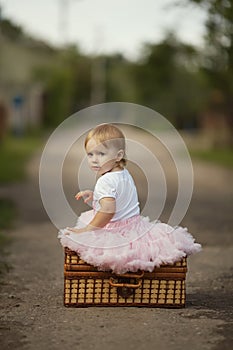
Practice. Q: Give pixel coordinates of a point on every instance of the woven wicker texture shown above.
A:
(85, 286)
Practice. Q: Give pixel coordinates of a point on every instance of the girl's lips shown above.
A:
(96, 168)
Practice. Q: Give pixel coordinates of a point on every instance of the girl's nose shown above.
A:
(95, 159)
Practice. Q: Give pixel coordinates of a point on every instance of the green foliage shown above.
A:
(59, 89)
(67, 85)
(4, 266)
(219, 37)
(166, 78)
(170, 82)
(120, 84)
(7, 215)
(220, 156)
(174, 78)
(10, 29)
(14, 153)
(217, 63)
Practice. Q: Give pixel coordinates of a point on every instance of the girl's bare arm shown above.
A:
(102, 217)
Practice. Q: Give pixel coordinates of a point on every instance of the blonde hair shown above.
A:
(106, 132)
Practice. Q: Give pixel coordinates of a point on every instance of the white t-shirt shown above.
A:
(118, 185)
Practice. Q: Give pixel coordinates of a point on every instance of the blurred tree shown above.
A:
(79, 66)
(119, 79)
(3, 121)
(218, 55)
(66, 85)
(10, 29)
(169, 82)
(57, 95)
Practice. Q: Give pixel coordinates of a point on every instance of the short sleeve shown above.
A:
(104, 188)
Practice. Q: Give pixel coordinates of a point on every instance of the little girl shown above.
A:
(114, 236)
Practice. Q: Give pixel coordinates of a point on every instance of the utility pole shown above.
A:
(98, 71)
(0, 19)
(98, 77)
(63, 21)
(63, 25)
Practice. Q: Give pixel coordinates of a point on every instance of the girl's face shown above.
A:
(103, 159)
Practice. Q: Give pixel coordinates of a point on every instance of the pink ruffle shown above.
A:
(130, 245)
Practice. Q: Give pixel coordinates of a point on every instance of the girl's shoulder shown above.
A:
(112, 177)
(116, 174)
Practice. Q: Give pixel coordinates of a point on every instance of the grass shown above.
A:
(14, 154)
(220, 156)
(7, 213)
(7, 216)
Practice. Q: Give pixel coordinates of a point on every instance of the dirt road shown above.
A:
(32, 312)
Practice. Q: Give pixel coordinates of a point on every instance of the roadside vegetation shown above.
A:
(14, 155)
(222, 157)
(7, 216)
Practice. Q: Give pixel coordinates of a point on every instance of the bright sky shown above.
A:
(106, 25)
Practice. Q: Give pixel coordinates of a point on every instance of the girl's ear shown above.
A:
(120, 154)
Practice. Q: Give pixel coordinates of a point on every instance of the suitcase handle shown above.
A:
(121, 285)
(131, 275)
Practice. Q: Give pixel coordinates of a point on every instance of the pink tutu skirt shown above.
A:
(129, 245)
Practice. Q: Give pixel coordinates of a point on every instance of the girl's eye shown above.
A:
(102, 154)
(89, 154)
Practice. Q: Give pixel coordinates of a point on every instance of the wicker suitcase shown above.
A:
(84, 285)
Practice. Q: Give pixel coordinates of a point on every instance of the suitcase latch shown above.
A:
(125, 285)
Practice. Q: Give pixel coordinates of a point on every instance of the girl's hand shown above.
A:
(75, 230)
(87, 194)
